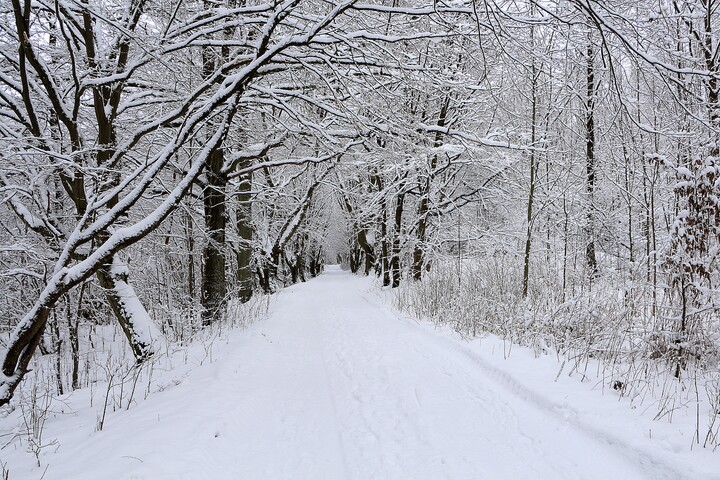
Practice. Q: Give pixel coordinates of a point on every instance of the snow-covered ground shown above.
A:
(335, 384)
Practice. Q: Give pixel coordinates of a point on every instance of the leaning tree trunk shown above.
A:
(23, 344)
(134, 320)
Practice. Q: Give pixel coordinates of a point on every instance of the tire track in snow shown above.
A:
(483, 399)
(653, 465)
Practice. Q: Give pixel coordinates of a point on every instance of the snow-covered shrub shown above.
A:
(691, 264)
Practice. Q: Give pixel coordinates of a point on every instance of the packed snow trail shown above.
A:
(336, 385)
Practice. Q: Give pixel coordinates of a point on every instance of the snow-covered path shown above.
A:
(336, 385)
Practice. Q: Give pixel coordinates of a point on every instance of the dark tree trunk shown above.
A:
(293, 264)
(354, 258)
(214, 286)
(591, 260)
(368, 252)
(385, 247)
(263, 275)
(418, 252)
(190, 245)
(245, 237)
(213, 291)
(533, 167)
(395, 261)
(23, 346)
(57, 348)
(73, 323)
(301, 269)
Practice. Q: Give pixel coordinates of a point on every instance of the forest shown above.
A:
(547, 172)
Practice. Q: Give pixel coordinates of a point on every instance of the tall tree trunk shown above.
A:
(73, 324)
(354, 258)
(190, 245)
(384, 262)
(57, 342)
(245, 237)
(395, 261)
(419, 250)
(385, 247)
(214, 285)
(533, 168)
(590, 258)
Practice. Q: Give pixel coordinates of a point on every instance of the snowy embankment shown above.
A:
(335, 384)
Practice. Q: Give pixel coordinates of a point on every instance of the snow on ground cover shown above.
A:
(335, 384)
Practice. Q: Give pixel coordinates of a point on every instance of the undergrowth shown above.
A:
(616, 328)
(109, 379)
